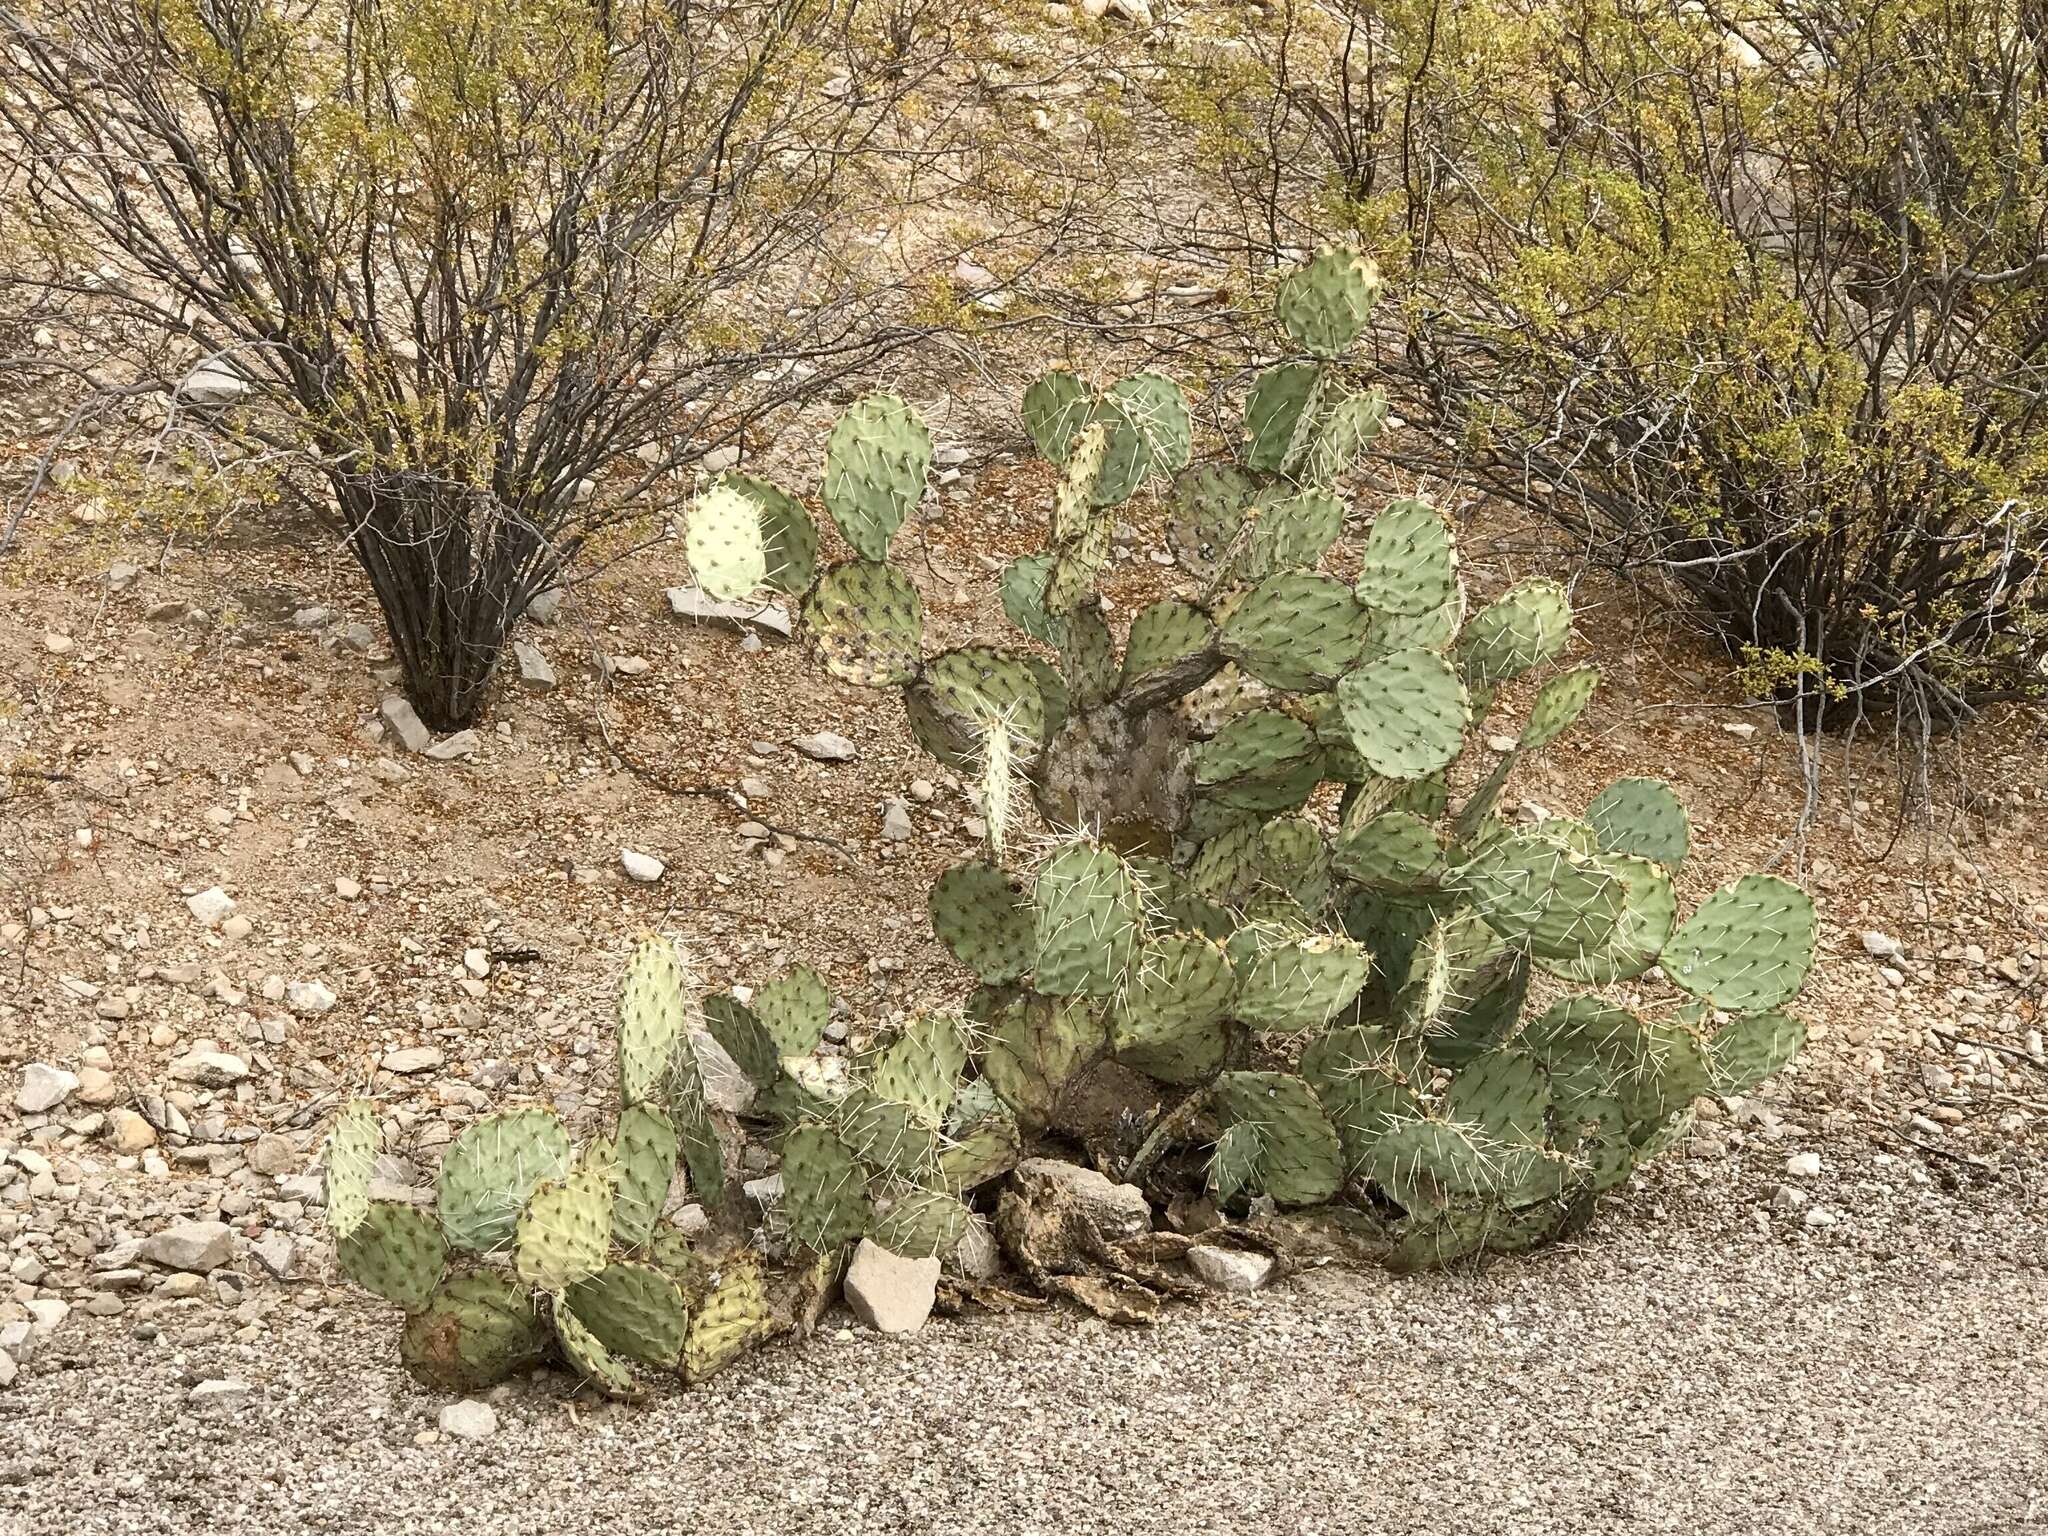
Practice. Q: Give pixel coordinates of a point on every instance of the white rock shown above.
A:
(43, 1088)
(192, 1246)
(1231, 1269)
(826, 747)
(546, 606)
(897, 827)
(1881, 946)
(1803, 1165)
(220, 1396)
(310, 997)
(405, 724)
(719, 460)
(695, 605)
(888, 1292)
(418, 1058)
(643, 867)
(1741, 730)
(212, 384)
(212, 906)
(59, 645)
(536, 675)
(208, 1069)
(449, 748)
(469, 1420)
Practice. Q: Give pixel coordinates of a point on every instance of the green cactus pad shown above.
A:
(1641, 817)
(887, 1135)
(1022, 588)
(1587, 1045)
(1407, 712)
(1078, 561)
(824, 1189)
(732, 1319)
(975, 689)
(1169, 1019)
(1356, 1072)
(1154, 404)
(1527, 625)
(1431, 631)
(491, 1170)
(1208, 506)
(1302, 983)
(1299, 1160)
(1088, 661)
(634, 1310)
(1171, 650)
(743, 1037)
(1294, 858)
(876, 460)
(1345, 425)
(648, 1148)
(1227, 866)
(351, 1161)
(982, 916)
(794, 1009)
(670, 1251)
(1540, 895)
(921, 1067)
(1273, 415)
(1558, 705)
(653, 1016)
(1234, 1161)
(476, 1330)
(977, 1153)
(703, 1152)
(1126, 459)
(565, 1231)
(1648, 916)
(1323, 304)
(920, 1224)
(397, 1252)
(1261, 760)
(1427, 1163)
(1748, 947)
(867, 622)
(724, 543)
(1505, 1091)
(1037, 1046)
(1453, 1232)
(1746, 1050)
(1410, 564)
(1296, 630)
(1393, 851)
(1090, 918)
(593, 1365)
(1057, 406)
(1287, 529)
(789, 538)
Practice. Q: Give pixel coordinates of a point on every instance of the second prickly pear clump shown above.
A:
(1392, 993)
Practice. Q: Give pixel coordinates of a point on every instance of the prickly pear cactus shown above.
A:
(536, 1251)
(1404, 1003)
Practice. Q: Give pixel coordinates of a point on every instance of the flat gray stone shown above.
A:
(418, 1058)
(212, 906)
(220, 1396)
(897, 827)
(208, 1069)
(694, 605)
(449, 748)
(546, 606)
(888, 1292)
(196, 1247)
(643, 867)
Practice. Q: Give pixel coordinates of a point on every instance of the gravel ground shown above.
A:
(1698, 1363)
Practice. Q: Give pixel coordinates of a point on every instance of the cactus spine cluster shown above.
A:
(1411, 1004)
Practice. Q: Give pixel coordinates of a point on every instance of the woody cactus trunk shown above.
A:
(1465, 1027)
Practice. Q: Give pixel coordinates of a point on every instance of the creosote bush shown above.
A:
(1748, 296)
(470, 281)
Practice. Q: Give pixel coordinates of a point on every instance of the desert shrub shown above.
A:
(482, 276)
(1751, 296)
